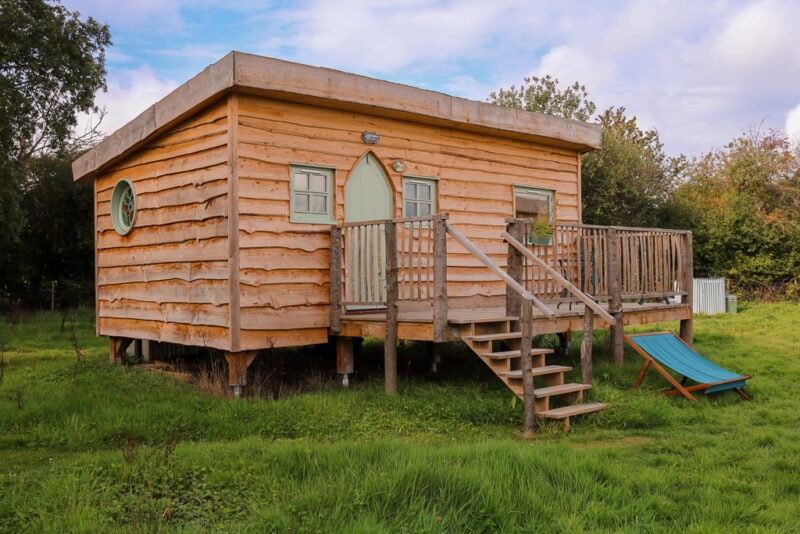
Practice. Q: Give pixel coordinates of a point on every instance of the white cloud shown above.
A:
(130, 92)
(383, 37)
(698, 72)
(759, 38)
(793, 124)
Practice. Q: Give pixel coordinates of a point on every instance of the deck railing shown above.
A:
(397, 260)
(384, 263)
(608, 262)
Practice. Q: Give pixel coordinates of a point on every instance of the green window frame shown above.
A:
(311, 194)
(123, 207)
(419, 196)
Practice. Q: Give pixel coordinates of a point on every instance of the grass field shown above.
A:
(90, 447)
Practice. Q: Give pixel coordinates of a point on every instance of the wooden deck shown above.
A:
(391, 279)
(417, 325)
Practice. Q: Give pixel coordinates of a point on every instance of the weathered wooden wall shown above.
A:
(167, 280)
(214, 260)
(476, 186)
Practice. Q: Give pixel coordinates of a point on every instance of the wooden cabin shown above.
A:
(270, 204)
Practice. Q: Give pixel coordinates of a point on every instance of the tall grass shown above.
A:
(86, 446)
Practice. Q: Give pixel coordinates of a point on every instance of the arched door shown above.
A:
(367, 197)
(367, 193)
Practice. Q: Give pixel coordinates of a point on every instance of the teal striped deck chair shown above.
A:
(665, 349)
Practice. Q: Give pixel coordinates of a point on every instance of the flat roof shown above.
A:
(284, 80)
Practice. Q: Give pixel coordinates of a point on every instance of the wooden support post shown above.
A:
(336, 279)
(514, 228)
(586, 347)
(390, 341)
(435, 354)
(116, 349)
(528, 400)
(238, 362)
(440, 279)
(615, 297)
(344, 358)
(687, 325)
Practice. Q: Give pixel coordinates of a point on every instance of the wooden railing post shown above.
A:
(528, 401)
(440, 279)
(615, 296)
(586, 347)
(390, 341)
(687, 279)
(514, 267)
(336, 279)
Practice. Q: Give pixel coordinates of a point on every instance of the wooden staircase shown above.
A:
(497, 342)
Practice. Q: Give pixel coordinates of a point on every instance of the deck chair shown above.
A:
(668, 350)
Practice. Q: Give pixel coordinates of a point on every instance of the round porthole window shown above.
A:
(123, 207)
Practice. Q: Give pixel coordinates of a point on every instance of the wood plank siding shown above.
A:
(168, 279)
(285, 264)
(214, 258)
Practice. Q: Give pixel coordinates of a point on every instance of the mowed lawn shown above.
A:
(86, 446)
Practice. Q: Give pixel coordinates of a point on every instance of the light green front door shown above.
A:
(367, 194)
(367, 197)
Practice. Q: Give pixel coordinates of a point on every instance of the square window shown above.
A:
(312, 197)
(532, 203)
(419, 197)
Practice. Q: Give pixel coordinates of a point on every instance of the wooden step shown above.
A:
(537, 371)
(562, 389)
(574, 409)
(494, 337)
(473, 320)
(513, 354)
(565, 412)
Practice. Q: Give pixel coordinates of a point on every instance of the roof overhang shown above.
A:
(294, 82)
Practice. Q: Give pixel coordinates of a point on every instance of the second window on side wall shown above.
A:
(533, 203)
(312, 195)
(419, 197)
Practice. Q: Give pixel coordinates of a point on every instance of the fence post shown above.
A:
(586, 347)
(336, 279)
(390, 341)
(687, 325)
(514, 227)
(440, 279)
(528, 401)
(615, 297)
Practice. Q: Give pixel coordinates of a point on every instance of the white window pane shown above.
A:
(532, 204)
(424, 208)
(318, 204)
(301, 182)
(317, 184)
(301, 202)
(411, 209)
(424, 192)
(410, 191)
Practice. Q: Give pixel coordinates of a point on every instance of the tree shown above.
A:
(741, 202)
(59, 236)
(628, 182)
(543, 95)
(51, 65)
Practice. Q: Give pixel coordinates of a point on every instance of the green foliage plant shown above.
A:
(52, 63)
(545, 95)
(115, 448)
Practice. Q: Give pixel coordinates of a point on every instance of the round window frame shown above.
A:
(117, 206)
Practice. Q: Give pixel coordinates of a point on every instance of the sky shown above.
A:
(700, 72)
